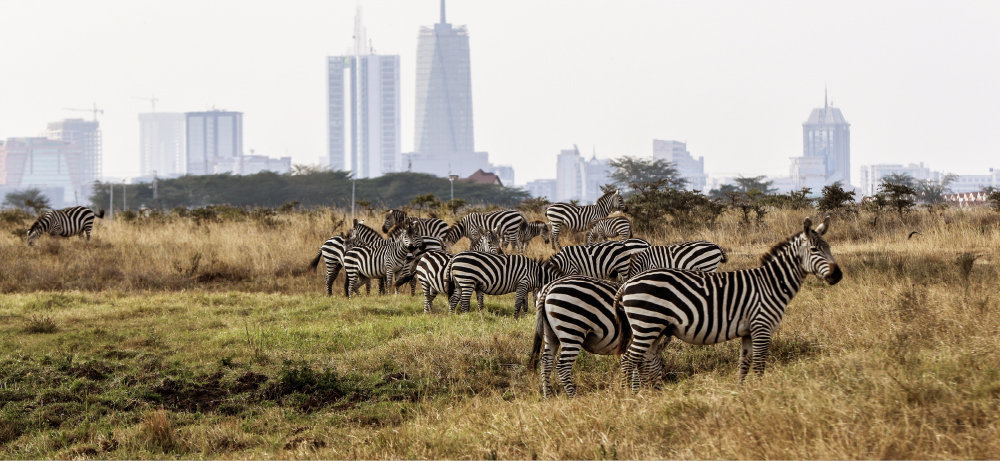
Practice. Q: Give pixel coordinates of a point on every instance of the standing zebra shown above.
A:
(696, 255)
(605, 260)
(361, 231)
(563, 216)
(333, 250)
(64, 223)
(506, 222)
(610, 227)
(426, 227)
(709, 308)
(573, 313)
(529, 230)
(379, 260)
(429, 268)
(492, 274)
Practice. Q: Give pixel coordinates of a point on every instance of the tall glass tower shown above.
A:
(443, 91)
(827, 135)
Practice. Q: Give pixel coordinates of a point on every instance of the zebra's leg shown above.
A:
(329, 283)
(352, 284)
(429, 295)
(555, 236)
(746, 357)
(480, 302)
(466, 295)
(761, 337)
(652, 364)
(642, 342)
(413, 286)
(545, 374)
(567, 357)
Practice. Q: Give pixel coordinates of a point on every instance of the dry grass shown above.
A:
(238, 354)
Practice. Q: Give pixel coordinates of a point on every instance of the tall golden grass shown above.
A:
(899, 360)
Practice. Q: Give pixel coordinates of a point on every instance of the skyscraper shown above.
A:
(214, 142)
(371, 84)
(693, 171)
(443, 136)
(161, 144)
(826, 134)
(54, 166)
(88, 136)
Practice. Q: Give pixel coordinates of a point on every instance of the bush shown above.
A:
(835, 199)
(747, 203)
(649, 202)
(794, 200)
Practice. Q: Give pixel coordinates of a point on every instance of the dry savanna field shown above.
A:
(171, 337)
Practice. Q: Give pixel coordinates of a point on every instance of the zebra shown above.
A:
(426, 227)
(67, 222)
(529, 230)
(605, 228)
(492, 274)
(577, 312)
(563, 216)
(332, 252)
(696, 255)
(605, 260)
(709, 308)
(429, 268)
(506, 222)
(379, 260)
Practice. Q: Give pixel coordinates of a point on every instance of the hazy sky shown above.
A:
(918, 81)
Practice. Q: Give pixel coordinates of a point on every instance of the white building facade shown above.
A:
(161, 144)
(580, 179)
(689, 168)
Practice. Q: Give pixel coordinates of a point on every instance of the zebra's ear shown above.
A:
(807, 225)
(821, 230)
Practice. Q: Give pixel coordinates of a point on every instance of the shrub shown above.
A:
(794, 200)
(835, 199)
(649, 202)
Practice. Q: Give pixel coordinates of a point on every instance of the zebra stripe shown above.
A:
(708, 308)
(529, 230)
(504, 222)
(427, 227)
(696, 255)
(361, 232)
(429, 267)
(67, 222)
(575, 313)
(492, 274)
(378, 260)
(605, 260)
(563, 216)
(606, 228)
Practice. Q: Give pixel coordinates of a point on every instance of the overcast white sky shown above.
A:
(918, 81)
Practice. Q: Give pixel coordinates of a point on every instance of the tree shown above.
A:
(652, 201)
(835, 198)
(898, 192)
(723, 191)
(756, 182)
(633, 170)
(299, 169)
(933, 192)
(421, 201)
(28, 199)
(993, 195)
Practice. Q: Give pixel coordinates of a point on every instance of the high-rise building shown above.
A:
(85, 134)
(54, 166)
(161, 144)
(827, 135)
(693, 171)
(214, 142)
(370, 83)
(443, 134)
(578, 178)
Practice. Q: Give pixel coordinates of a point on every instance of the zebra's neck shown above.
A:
(781, 274)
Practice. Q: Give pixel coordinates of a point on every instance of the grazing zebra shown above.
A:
(426, 227)
(492, 274)
(64, 223)
(709, 308)
(610, 227)
(529, 230)
(696, 255)
(506, 222)
(430, 266)
(563, 216)
(605, 260)
(573, 313)
(379, 260)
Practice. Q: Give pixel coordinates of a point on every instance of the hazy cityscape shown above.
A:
(365, 124)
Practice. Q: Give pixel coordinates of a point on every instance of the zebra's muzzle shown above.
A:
(834, 276)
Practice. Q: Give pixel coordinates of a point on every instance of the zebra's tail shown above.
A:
(725, 257)
(315, 262)
(449, 283)
(621, 323)
(99, 214)
(541, 326)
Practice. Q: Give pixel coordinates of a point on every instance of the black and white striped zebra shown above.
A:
(574, 313)
(361, 231)
(696, 255)
(708, 308)
(492, 274)
(67, 222)
(505, 222)
(605, 260)
(426, 227)
(529, 230)
(607, 228)
(429, 268)
(379, 260)
(567, 217)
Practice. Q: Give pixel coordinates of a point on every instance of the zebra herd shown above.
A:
(624, 297)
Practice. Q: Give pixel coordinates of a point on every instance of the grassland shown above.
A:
(166, 338)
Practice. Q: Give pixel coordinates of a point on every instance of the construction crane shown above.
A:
(152, 101)
(95, 110)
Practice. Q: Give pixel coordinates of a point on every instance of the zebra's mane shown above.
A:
(777, 249)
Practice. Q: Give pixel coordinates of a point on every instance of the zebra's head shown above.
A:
(817, 258)
(543, 230)
(392, 217)
(487, 242)
(37, 229)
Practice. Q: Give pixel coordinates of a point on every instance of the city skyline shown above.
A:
(917, 86)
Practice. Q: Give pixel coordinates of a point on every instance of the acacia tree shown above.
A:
(28, 199)
(899, 193)
(633, 170)
(836, 199)
(933, 192)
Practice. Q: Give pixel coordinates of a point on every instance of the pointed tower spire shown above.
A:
(825, 105)
(442, 13)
